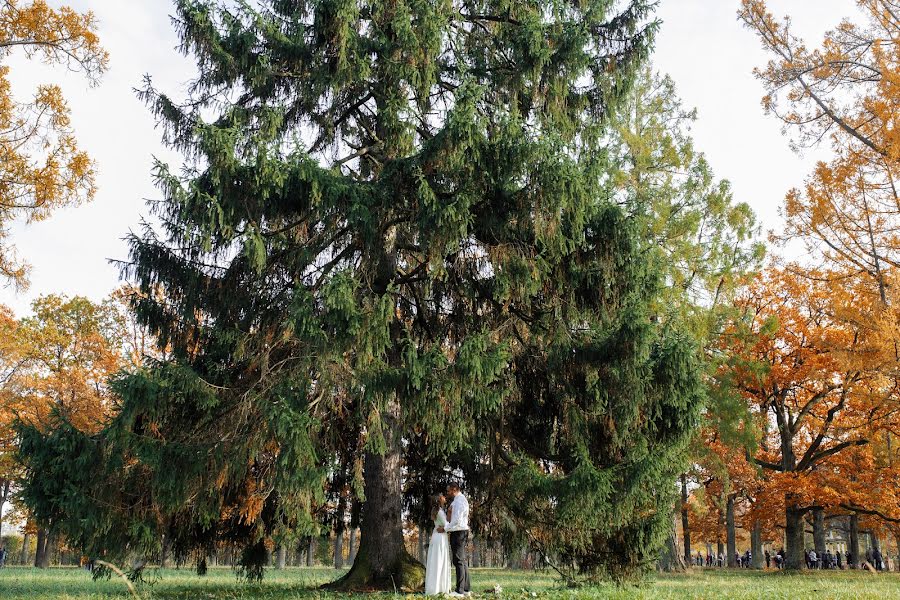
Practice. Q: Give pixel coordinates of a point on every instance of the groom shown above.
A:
(458, 528)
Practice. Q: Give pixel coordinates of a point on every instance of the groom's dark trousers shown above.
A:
(458, 542)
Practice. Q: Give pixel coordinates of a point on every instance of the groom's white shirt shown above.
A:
(459, 520)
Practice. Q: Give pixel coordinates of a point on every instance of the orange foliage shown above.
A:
(58, 359)
(846, 92)
(807, 375)
(41, 166)
(848, 89)
(816, 385)
(70, 352)
(11, 361)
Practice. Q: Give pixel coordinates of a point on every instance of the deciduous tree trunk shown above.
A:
(382, 561)
(897, 556)
(729, 531)
(351, 551)
(280, 557)
(854, 541)
(4, 497)
(164, 552)
(41, 549)
(756, 547)
(720, 544)
(355, 511)
(339, 550)
(311, 551)
(23, 555)
(51, 546)
(685, 524)
(793, 535)
(819, 531)
(340, 526)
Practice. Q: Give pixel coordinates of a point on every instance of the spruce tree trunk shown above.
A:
(420, 546)
(757, 561)
(793, 534)
(382, 561)
(819, 531)
(729, 532)
(685, 524)
(854, 541)
(670, 559)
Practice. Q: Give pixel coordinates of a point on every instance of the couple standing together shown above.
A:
(449, 539)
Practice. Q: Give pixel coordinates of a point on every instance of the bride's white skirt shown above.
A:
(437, 567)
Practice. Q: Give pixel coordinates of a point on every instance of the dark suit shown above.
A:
(458, 542)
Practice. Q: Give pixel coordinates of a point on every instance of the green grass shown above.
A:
(221, 584)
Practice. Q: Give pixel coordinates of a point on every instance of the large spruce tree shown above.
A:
(394, 227)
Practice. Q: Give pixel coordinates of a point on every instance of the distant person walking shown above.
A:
(878, 559)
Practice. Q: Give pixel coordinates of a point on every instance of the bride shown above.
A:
(437, 567)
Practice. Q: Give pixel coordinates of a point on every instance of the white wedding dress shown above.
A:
(437, 567)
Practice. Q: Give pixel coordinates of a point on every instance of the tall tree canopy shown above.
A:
(41, 165)
(395, 228)
(707, 243)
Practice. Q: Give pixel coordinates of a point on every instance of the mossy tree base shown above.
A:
(405, 575)
(382, 562)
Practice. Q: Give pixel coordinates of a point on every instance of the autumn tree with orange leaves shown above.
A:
(817, 397)
(10, 363)
(846, 94)
(56, 362)
(42, 167)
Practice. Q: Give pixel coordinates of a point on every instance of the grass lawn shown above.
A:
(221, 584)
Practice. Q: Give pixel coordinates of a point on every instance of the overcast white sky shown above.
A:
(701, 44)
